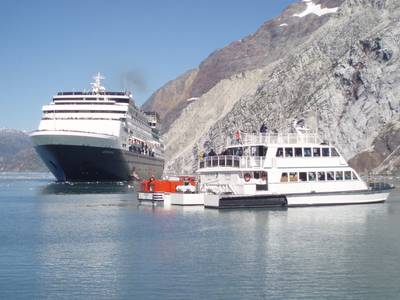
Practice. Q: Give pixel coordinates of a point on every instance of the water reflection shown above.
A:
(88, 188)
(104, 245)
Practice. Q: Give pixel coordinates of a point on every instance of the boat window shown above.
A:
(330, 175)
(303, 176)
(334, 152)
(347, 175)
(311, 176)
(237, 151)
(264, 176)
(298, 152)
(339, 175)
(229, 151)
(307, 152)
(288, 152)
(354, 176)
(256, 175)
(262, 151)
(316, 152)
(279, 152)
(325, 151)
(284, 177)
(253, 151)
(321, 176)
(293, 176)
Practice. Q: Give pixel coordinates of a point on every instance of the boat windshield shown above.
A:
(247, 151)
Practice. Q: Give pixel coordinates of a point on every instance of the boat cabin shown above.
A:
(277, 163)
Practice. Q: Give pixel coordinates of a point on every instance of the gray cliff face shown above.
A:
(171, 99)
(343, 80)
(384, 154)
(257, 50)
(269, 43)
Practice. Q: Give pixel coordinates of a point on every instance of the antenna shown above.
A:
(317, 129)
(96, 85)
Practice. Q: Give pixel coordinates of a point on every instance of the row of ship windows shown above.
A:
(140, 123)
(85, 111)
(92, 93)
(318, 176)
(306, 152)
(119, 100)
(75, 118)
(59, 102)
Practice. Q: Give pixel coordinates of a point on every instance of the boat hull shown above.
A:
(88, 163)
(296, 200)
(338, 198)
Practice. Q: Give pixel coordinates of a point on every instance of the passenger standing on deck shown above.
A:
(202, 156)
(263, 128)
(212, 153)
(238, 137)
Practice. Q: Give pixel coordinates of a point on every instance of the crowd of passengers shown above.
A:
(140, 148)
(229, 151)
(280, 152)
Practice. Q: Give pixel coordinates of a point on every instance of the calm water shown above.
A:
(95, 242)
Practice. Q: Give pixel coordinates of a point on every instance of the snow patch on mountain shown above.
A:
(316, 9)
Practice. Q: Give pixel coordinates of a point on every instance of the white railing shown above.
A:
(274, 138)
(73, 130)
(252, 162)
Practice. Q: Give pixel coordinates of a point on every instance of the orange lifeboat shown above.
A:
(153, 185)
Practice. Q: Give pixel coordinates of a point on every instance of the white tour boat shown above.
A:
(292, 169)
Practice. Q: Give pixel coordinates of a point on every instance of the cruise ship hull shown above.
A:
(88, 163)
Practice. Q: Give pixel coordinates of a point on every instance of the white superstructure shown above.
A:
(101, 119)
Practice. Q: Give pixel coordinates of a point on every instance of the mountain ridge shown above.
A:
(17, 153)
(345, 71)
(251, 52)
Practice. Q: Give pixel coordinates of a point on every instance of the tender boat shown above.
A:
(283, 169)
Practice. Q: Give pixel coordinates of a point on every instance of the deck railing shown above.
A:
(274, 138)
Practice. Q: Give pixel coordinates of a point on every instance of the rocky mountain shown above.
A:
(384, 154)
(269, 43)
(333, 63)
(17, 153)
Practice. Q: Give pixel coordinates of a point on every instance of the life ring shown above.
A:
(247, 177)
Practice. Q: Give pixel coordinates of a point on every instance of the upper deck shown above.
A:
(273, 139)
(92, 93)
(267, 150)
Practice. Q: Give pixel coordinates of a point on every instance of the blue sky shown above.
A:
(51, 46)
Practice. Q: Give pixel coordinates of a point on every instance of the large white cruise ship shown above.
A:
(98, 136)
